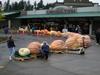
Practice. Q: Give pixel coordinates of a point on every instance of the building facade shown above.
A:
(75, 3)
(88, 18)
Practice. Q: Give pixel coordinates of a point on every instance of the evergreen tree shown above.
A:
(1, 16)
(40, 5)
(35, 5)
(7, 6)
(29, 6)
(14, 6)
(48, 6)
(21, 5)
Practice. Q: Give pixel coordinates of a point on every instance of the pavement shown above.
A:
(57, 64)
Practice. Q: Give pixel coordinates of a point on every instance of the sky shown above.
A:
(47, 1)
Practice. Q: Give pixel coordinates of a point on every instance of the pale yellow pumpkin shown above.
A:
(24, 51)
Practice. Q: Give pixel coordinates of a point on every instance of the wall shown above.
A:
(89, 9)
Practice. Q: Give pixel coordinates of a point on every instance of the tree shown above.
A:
(14, 6)
(7, 6)
(21, 5)
(1, 16)
(35, 5)
(29, 6)
(40, 5)
(48, 6)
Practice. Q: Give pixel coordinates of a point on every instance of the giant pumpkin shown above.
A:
(24, 51)
(53, 33)
(34, 47)
(57, 44)
(87, 40)
(58, 33)
(72, 43)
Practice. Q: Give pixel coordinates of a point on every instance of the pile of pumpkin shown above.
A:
(73, 41)
(46, 32)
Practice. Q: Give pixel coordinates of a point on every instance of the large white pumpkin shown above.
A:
(24, 51)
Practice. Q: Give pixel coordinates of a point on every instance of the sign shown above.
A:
(61, 11)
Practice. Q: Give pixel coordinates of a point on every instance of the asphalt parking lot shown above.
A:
(57, 64)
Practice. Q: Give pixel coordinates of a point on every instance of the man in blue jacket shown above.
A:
(45, 50)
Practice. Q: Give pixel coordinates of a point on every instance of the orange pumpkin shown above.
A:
(87, 40)
(58, 34)
(70, 34)
(64, 35)
(53, 33)
(72, 43)
(57, 44)
(46, 31)
(34, 47)
(80, 41)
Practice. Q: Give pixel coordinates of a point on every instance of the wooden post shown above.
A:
(90, 28)
(9, 24)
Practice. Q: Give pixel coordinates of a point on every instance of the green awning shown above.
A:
(82, 14)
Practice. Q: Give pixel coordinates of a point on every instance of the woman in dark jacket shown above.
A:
(11, 47)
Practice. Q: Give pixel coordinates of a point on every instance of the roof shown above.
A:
(9, 13)
(82, 14)
(36, 12)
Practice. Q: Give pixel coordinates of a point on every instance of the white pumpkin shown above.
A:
(24, 51)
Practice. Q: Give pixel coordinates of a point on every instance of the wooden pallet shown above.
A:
(80, 51)
(56, 51)
(26, 58)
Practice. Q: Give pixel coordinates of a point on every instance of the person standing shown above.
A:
(78, 29)
(6, 30)
(45, 50)
(97, 34)
(11, 47)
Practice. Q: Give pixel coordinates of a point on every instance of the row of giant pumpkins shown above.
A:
(73, 41)
(46, 32)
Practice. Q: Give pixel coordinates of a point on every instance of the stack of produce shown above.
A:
(45, 32)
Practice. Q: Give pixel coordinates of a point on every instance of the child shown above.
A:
(11, 47)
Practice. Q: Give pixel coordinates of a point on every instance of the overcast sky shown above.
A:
(47, 1)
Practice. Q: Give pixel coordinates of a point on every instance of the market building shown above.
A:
(75, 3)
(88, 18)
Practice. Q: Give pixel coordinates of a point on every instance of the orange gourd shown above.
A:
(57, 44)
(34, 47)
